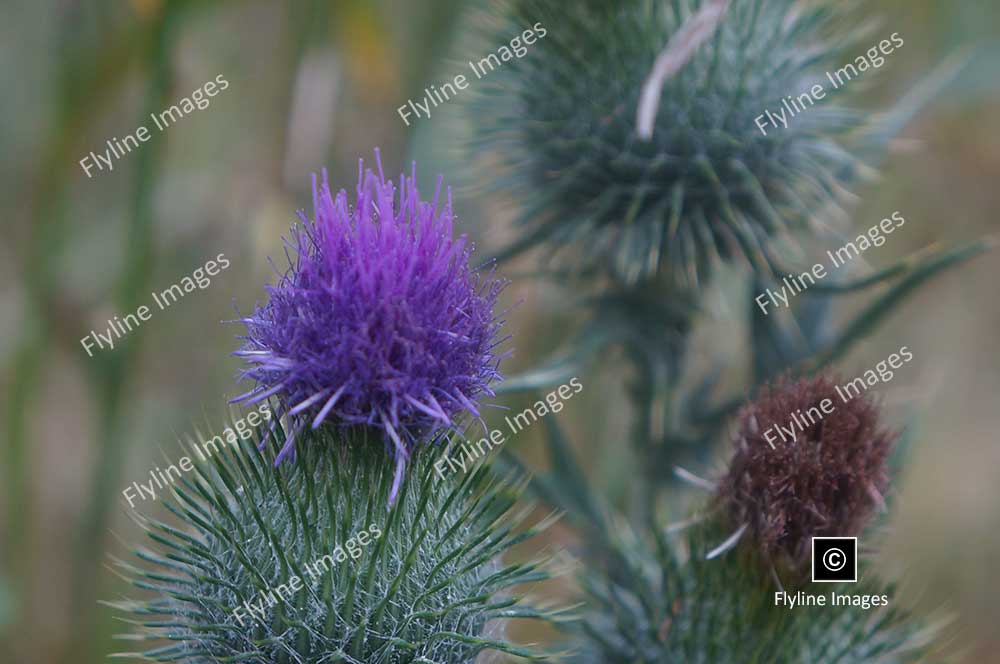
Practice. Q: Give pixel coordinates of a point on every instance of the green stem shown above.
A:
(643, 392)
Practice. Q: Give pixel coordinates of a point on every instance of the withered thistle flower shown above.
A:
(378, 322)
(825, 482)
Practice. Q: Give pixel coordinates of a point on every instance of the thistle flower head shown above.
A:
(706, 183)
(824, 482)
(379, 320)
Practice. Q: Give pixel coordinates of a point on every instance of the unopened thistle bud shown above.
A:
(632, 131)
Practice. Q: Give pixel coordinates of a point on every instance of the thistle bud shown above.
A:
(641, 170)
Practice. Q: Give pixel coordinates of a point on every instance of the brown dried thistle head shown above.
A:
(824, 482)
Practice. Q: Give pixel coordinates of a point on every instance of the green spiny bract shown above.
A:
(676, 606)
(708, 185)
(425, 585)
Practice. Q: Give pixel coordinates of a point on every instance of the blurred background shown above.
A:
(316, 84)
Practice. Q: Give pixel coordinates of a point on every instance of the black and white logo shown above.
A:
(835, 559)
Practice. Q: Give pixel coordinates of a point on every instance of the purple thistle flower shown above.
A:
(379, 320)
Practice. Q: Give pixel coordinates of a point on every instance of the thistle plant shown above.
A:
(709, 596)
(628, 138)
(647, 177)
(309, 544)
(701, 183)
